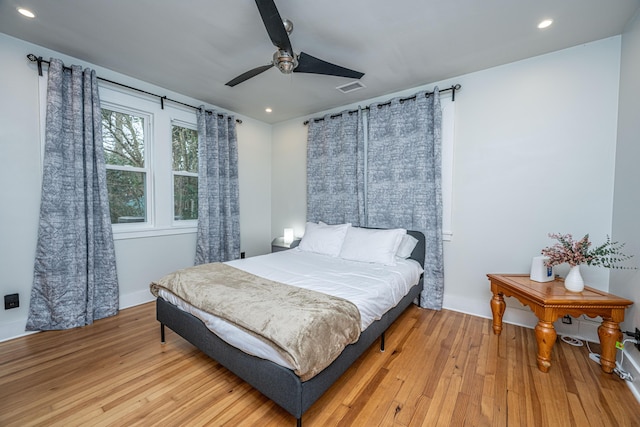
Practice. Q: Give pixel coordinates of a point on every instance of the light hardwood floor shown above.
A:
(439, 368)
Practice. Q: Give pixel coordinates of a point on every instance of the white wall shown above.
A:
(534, 154)
(289, 174)
(138, 260)
(535, 147)
(20, 180)
(626, 205)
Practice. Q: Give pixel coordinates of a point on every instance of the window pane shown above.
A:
(185, 149)
(185, 197)
(123, 138)
(127, 198)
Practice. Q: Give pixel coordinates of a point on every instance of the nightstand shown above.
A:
(278, 245)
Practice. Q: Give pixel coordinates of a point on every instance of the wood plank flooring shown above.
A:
(439, 369)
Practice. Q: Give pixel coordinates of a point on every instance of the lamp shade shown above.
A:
(288, 235)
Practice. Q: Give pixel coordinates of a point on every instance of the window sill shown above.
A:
(153, 232)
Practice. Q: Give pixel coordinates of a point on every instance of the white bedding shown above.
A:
(373, 288)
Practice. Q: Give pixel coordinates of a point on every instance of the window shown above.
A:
(124, 142)
(152, 166)
(151, 160)
(184, 143)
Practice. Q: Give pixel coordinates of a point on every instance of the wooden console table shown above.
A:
(549, 301)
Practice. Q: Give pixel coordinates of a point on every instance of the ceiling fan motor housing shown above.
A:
(285, 62)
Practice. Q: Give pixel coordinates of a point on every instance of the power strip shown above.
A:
(618, 369)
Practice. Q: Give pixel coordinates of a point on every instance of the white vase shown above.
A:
(573, 282)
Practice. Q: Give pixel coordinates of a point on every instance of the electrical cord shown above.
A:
(572, 341)
(596, 357)
(618, 370)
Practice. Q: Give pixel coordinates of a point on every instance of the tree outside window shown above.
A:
(185, 173)
(123, 137)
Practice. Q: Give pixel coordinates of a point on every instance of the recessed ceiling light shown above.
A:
(268, 110)
(26, 12)
(545, 23)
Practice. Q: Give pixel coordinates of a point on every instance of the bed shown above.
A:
(274, 379)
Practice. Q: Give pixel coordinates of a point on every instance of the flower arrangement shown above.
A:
(607, 255)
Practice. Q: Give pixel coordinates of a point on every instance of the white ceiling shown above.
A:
(194, 47)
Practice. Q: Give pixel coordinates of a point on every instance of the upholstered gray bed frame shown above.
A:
(280, 384)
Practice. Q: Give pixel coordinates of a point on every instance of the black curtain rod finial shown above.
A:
(37, 59)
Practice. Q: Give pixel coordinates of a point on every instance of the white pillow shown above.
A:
(407, 245)
(323, 239)
(374, 246)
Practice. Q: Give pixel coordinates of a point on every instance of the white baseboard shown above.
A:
(15, 329)
(582, 328)
(632, 366)
(135, 298)
(11, 330)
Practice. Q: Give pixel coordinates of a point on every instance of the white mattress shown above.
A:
(373, 288)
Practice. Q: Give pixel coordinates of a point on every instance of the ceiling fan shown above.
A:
(284, 58)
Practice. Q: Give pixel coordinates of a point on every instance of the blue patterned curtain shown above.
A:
(218, 237)
(335, 169)
(404, 186)
(75, 279)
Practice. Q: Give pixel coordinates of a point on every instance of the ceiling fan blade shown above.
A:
(273, 24)
(311, 64)
(246, 76)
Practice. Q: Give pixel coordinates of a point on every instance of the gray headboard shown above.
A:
(419, 251)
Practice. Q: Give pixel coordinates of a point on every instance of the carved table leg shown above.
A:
(609, 333)
(497, 308)
(546, 337)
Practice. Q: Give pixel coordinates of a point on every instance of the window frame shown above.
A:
(147, 169)
(448, 108)
(158, 157)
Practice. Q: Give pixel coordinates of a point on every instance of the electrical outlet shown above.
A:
(635, 335)
(11, 301)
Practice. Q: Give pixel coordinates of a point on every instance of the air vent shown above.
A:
(350, 87)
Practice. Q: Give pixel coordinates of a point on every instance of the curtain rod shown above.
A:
(39, 60)
(451, 89)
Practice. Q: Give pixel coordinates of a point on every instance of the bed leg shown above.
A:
(162, 333)
(382, 342)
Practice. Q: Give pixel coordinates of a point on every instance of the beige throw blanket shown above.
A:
(310, 329)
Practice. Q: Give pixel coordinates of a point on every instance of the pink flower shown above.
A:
(577, 252)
